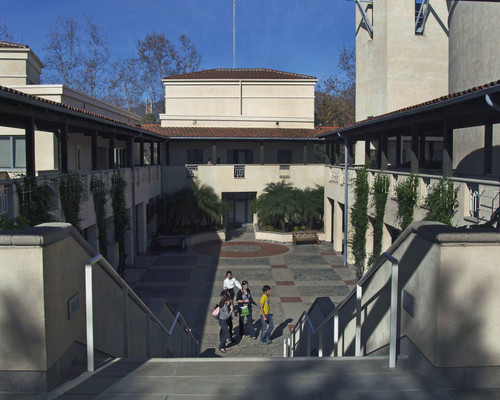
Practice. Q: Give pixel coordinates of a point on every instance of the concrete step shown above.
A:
(347, 378)
(251, 378)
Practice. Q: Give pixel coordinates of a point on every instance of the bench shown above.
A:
(305, 236)
(166, 241)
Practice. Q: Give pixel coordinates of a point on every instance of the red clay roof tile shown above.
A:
(237, 133)
(426, 103)
(4, 44)
(239, 73)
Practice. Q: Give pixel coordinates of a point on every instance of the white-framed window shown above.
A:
(12, 152)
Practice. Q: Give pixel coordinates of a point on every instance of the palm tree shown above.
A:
(208, 203)
(279, 205)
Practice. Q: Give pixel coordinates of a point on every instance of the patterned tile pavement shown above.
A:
(191, 283)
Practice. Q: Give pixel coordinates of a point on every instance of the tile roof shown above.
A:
(418, 107)
(237, 133)
(239, 73)
(4, 89)
(10, 45)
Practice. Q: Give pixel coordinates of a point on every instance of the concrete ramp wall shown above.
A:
(448, 298)
(42, 310)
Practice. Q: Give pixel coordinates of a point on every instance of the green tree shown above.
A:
(359, 220)
(442, 202)
(312, 206)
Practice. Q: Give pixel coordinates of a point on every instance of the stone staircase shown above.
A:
(254, 378)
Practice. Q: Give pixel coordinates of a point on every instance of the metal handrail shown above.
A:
(394, 322)
(103, 263)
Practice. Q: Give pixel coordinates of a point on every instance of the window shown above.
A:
(238, 156)
(148, 155)
(119, 157)
(12, 152)
(284, 156)
(195, 156)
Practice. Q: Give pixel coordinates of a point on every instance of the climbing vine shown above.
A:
(406, 194)
(99, 195)
(442, 202)
(380, 192)
(359, 220)
(35, 201)
(70, 194)
(120, 216)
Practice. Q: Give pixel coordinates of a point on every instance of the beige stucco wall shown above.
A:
(22, 314)
(239, 103)
(397, 68)
(221, 177)
(468, 301)
(474, 52)
(19, 67)
(474, 61)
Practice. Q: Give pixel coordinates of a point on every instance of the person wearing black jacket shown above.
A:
(244, 300)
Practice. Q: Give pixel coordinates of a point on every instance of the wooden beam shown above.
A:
(29, 130)
(447, 150)
(488, 149)
(64, 147)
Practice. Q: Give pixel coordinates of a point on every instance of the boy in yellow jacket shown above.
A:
(266, 318)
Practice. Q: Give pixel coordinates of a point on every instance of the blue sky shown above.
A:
(302, 36)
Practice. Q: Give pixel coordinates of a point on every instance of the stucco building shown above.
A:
(406, 120)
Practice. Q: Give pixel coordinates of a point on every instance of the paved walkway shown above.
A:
(191, 282)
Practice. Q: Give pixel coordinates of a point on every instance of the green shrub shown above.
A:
(442, 202)
(35, 201)
(380, 192)
(70, 194)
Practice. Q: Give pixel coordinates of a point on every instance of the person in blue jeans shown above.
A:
(226, 309)
(266, 318)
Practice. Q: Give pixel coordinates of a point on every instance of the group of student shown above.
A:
(243, 308)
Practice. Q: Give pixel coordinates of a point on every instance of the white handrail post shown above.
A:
(148, 335)
(309, 334)
(320, 345)
(359, 296)
(125, 322)
(394, 313)
(90, 317)
(336, 335)
(284, 347)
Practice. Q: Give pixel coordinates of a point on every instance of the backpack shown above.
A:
(216, 312)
